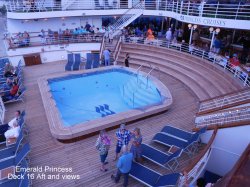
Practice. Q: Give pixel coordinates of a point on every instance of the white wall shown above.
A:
(229, 144)
(54, 24)
(52, 53)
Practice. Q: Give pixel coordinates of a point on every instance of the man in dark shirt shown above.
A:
(87, 26)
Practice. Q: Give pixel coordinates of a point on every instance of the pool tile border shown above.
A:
(61, 132)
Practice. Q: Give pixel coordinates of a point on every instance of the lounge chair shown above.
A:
(89, 61)
(21, 182)
(170, 130)
(170, 141)
(179, 133)
(17, 98)
(15, 161)
(163, 159)
(151, 178)
(10, 152)
(77, 63)
(70, 62)
(96, 62)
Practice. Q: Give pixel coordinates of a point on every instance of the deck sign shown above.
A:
(204, 21)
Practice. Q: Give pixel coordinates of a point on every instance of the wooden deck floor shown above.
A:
(81, 156)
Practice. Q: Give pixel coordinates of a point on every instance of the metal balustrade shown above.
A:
(225, 100)
(184, 47)
(34, 41)
(198, 165)
(226, 117)
(238, 11)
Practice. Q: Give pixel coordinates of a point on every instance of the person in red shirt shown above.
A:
(234, 61)
(14, 89)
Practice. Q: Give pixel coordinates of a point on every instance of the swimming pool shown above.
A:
(80, 103)
(85, 97)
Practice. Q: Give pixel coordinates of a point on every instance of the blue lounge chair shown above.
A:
(77, 63)
(16, 98)
(170, 130)
(23, 182)
(96, 62)
(179, 133)
(10, 152)
(15, 161)
(188, 146)
(165, 160)
(89, 61)
(70, 62)
(151, 178)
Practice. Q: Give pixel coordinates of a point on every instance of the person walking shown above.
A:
(102, 145)
(123, 138)
(136, 148)
(123, 166)
(168, 36)
(127, 60)
(110, 35)
(106, 54)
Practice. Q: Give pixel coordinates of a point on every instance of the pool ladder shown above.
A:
(137, 75)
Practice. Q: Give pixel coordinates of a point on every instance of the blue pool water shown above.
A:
(81, 98)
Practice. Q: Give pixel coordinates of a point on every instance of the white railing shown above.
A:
(194, 173)
(117, 50)
(225, 100)
(226, 117)
(238, 11)
(102, 47)
(55, 39)
(2, 111)
(199, 164)
(128, 17)
(184, 47)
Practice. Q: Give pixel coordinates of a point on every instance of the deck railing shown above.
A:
(34, 41)
(237, 72)
(117, 49)
(239, 11)
(193, 171)
(229, 99)
(240, 115)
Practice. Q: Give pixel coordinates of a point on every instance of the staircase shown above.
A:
(137, 93)
(226, 101)
(128, 17)
(111, 47)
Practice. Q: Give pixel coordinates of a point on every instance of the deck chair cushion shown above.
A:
(168, 180)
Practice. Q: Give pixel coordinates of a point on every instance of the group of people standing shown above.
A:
(123, 138)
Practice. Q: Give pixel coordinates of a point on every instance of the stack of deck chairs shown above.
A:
(74, 61)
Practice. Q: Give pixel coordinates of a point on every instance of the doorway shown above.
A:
(31, 60)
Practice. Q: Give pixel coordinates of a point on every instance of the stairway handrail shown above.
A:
(102, 47)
